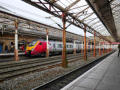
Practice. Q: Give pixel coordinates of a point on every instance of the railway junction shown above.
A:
(59, 45)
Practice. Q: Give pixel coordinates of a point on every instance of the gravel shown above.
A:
(32, 80)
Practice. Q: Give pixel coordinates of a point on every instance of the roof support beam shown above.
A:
(71, 5)
(81, 11)
(104, 12)
(77, 7)
(70, 17)
(87, 16)
(95, 23)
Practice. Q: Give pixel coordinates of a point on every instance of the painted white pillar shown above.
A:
(47, 51)
(16, 41)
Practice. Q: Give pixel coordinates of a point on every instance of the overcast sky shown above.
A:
(23, 9)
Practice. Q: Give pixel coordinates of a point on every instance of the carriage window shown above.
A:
(71, 46)
(59, 45)
(66, 46)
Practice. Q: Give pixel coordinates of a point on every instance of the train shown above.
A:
(39, 47)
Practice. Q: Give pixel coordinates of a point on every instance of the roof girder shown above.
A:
(104, 12)
(71, 5)
(71, 18)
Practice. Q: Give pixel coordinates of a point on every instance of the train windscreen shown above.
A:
(32, 43)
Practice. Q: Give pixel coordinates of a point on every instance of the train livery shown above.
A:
(38, 47)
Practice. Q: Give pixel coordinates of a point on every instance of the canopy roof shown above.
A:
(115, 5)
(78, 8)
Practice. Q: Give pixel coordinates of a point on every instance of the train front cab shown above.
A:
(30, 47)
(35, 48)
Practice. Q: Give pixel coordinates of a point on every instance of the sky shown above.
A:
(23, 9)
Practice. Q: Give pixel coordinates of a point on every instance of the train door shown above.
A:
(1, 46)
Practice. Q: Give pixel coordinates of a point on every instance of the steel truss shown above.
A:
(53, 8)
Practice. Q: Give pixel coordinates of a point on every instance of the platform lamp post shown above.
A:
(94, 53)
(64, 60)
(85, 56)
(16, 40)
(47, 49)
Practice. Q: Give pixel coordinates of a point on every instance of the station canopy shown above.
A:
(115, 5)
(77, 8)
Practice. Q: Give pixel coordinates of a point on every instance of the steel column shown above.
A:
(64, 60)
(85, 56)
(47, 49)
(94, 53)
(16, 41)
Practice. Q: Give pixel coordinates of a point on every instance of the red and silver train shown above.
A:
(38, 47)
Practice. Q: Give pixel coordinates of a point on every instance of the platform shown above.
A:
(10, 54)
(104, 76)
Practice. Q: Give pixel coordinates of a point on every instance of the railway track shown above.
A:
(62, 81)
(34, 60)
(14, 69)
(23, 57)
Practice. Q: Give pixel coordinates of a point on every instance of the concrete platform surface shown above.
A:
(104, 76)
(10, 54)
